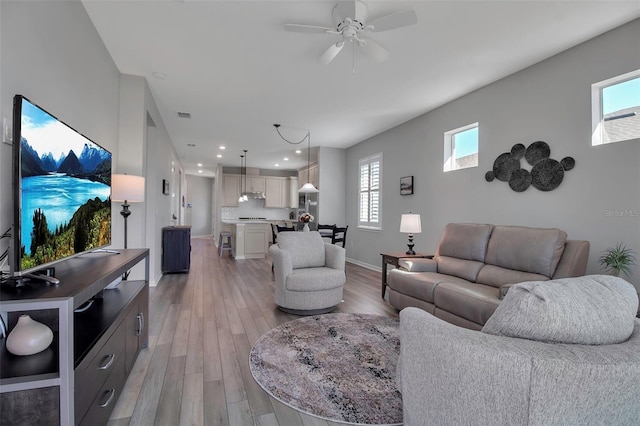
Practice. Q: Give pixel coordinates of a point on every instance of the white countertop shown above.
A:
(244, 221)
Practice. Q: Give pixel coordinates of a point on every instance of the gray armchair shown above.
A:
(566, 353)
(309, 273)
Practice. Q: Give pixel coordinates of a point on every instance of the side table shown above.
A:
(392, 259)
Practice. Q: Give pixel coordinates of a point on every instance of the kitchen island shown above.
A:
(250, 238)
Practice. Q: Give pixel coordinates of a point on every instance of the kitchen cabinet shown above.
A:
(230, 190)
(309, 174)
(275, 192)
(292, 193)
(255, 184)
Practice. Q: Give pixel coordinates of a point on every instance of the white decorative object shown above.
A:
(29, 337)
(305, 228)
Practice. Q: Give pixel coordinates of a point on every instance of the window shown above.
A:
(615, 109)
(370, 192)
(461, 148)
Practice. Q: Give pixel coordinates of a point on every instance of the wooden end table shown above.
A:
(392, 259)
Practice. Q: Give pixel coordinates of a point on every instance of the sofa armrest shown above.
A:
(504, 289)
(334, 256)
(413, 264)
(282, 264)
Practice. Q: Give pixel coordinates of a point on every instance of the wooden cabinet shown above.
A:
(78, 379)
(310, 174)
(292, 193)
(230, 190)
(255, 184)
(274, 192)
(176, 249)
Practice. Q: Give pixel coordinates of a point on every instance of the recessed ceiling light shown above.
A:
(286, 158)
(298, 151)
(199, 171)
(223, 147)
(199, 164)
(219, 155)
(277, 165)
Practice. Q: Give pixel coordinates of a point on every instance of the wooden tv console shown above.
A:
(78, 379)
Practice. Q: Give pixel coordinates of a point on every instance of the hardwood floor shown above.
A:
(202, 327)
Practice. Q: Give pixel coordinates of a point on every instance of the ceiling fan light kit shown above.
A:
(350, 22)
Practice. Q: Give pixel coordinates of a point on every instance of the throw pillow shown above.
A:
(590, 310)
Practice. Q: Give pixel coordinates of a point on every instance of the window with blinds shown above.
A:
(370, 192)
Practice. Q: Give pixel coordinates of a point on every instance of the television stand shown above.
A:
(79, 377)
(38, 276)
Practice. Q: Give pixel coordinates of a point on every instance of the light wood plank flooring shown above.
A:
(202, 327)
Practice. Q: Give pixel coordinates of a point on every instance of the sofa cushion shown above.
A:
(417, 264)
(306, 248)
(465, 241)
(474, 302)
(497, 276)
(315, 279)
(590, 310)
(467, 269)
(535, 250)
(418, 284)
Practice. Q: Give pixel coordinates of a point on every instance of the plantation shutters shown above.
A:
(370, 192)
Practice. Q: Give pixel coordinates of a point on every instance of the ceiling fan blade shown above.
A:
(404, 18)
(331, 52)
(301, 28)
(375, 51)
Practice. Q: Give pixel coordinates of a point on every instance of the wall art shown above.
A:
(165, 187)
(406, 185)
(546, 174)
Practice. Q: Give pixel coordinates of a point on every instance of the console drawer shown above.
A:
(102, 405)
(92, 373)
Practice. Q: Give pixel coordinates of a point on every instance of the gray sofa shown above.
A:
(475, 264)
(562, 352)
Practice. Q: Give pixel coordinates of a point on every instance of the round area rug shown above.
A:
(339, 367)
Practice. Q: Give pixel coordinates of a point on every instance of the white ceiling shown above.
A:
(234, 68)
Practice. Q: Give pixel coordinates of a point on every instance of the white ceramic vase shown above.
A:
(305, 228)
(29, 337)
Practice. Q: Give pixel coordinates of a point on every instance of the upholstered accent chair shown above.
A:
(558, 352)
(309, 273)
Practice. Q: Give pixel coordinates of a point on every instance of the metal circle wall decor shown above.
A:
(546, 173)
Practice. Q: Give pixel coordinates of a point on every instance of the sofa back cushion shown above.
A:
(535, 250)
(588, 310)
(497, 276)
(467, 269)
(466, 241)
(306, 248)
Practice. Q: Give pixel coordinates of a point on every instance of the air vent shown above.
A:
(191, 145)
(184, 114)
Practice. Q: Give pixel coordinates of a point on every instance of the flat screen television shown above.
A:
(61, 191)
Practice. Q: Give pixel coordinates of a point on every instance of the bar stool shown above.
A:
(225, 243)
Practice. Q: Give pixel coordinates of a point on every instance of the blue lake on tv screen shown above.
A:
(58, 196)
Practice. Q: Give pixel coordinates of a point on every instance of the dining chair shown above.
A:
(340, 235)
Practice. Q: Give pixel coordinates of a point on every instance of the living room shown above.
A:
(61, 63)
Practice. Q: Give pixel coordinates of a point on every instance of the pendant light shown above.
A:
(241, 199)
(244, 193)
(307, 188)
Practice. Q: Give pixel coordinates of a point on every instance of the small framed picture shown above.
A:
(165, 187)
(406, 185)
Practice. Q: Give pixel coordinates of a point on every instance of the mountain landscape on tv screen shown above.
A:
(66, 206)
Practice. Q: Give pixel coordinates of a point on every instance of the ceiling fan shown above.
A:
(350, 22)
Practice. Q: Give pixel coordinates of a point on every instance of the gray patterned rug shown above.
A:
(339, 367)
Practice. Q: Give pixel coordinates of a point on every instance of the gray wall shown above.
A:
(332, 175)
(549, 101)
(200, 196)
(52, 54)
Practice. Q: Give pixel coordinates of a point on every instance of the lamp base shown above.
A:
(410, 251)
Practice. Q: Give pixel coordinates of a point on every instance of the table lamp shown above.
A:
(128, 189)
(410, 224)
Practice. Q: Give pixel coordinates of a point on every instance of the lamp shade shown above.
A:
(308, 188)
(410, 223)
(128, 188)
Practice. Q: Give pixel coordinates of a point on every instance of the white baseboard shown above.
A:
(364, 265)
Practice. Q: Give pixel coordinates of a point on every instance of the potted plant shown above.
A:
(618, 259)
